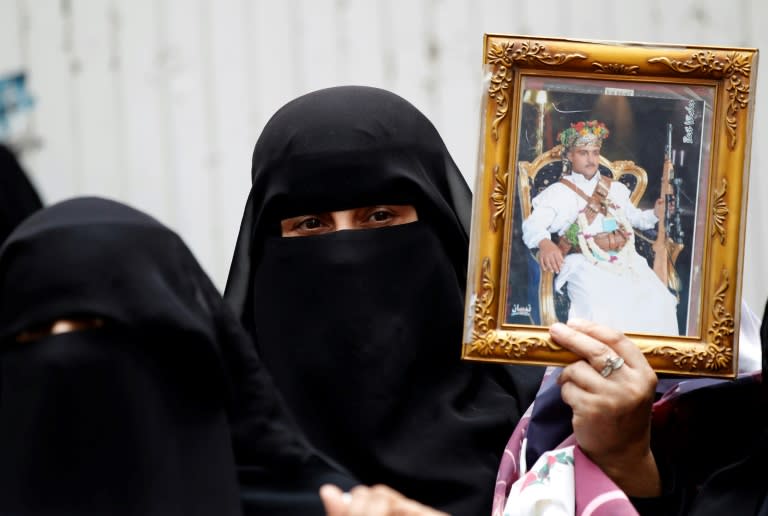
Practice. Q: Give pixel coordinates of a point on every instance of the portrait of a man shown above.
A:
(592, 218)
(608, 207)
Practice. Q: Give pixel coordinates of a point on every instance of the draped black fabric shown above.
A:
(18, 198)
(89, 424)
(150, 413)
(361, 330)
(713, 448)
(738, 484)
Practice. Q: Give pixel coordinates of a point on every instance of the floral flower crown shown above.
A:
(586, 132)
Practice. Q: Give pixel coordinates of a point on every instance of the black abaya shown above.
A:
(151, 411)
(18, 198)
(361, 330)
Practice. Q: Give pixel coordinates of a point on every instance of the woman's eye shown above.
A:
(306, 225)
(380, 216)
(310, 223)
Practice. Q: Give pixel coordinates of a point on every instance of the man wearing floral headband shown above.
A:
(593, 217)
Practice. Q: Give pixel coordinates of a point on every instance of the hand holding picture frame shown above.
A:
(612, 188)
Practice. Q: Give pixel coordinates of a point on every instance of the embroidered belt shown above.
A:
(611, 240)
(608, 241)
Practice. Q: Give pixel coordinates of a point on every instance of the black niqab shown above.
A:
(142, 415)
(361, 330)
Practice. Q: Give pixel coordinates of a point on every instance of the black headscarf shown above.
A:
(18, 198)
(142, 415)
(361, 330)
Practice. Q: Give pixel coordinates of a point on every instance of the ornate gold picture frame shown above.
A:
(672, 126)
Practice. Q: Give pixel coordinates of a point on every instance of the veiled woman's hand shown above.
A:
(372, 501)
(611, 392)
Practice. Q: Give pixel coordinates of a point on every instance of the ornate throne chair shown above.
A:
(548, 305)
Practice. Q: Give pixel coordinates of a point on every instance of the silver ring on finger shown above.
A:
(612, 363)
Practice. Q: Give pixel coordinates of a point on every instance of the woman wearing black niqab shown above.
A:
(361, 330)
(147, 408)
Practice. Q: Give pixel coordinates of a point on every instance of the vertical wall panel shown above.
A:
(187, 42)
(142, 106)
(319, 56)
(360, 41)
(231, 141)
(677, 22)
(535, 19)
(581, 19)
(407, 48)
(636, 21)
(55, 165)
(755, 286)
(713, 22)
(501, 16)
(274, 61)
(94, 103)
(458, 77)
(17, 56)
(10, 37)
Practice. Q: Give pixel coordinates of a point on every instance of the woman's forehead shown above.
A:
(339, 184)
(295, 205)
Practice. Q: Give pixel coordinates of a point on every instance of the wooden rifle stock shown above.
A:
(665, 249)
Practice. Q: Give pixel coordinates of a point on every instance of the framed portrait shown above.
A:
(612, 187)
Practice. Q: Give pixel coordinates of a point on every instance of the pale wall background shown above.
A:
(158, 102)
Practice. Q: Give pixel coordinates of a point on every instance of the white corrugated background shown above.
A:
(159, 102)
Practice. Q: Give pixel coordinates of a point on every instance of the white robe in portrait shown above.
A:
(625, 294)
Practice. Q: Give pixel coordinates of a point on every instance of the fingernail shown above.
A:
(346, 498)
(557, 329)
